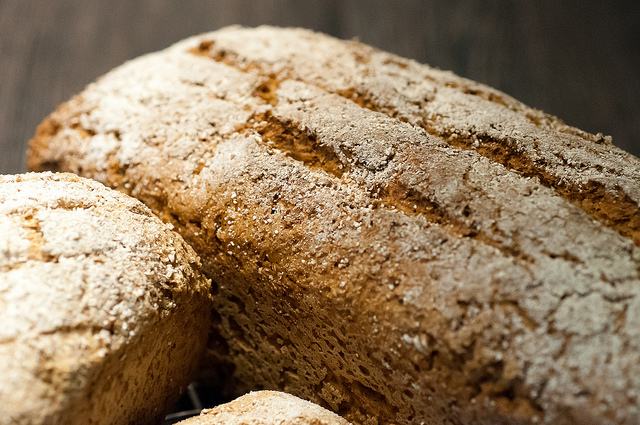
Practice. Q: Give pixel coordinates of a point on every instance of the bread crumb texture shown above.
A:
(386, 239)
(267, 408)
(97, 305)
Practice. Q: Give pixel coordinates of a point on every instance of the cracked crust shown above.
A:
(95, 297)
(267, 408)
(385, 239)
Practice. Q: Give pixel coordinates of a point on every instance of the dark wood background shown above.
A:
(577, 59)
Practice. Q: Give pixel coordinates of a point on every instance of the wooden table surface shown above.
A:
(579, 60)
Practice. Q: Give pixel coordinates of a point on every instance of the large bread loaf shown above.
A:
(386, 239)
(103, 310)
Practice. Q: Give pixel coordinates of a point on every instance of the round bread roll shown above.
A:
(103, 308)
(267, 408)
(385, 239)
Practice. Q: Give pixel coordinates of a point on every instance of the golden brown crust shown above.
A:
(267, 408)
(435, 255)
(95, 297)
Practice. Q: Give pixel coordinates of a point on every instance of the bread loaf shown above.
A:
(267, 408)
(386, 239)
(103, 309)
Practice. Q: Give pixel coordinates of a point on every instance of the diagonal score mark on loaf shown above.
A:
(297, 143)
(583, 168)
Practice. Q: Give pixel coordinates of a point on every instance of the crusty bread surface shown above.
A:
(103, 308)
(267, 408)
(388, 240)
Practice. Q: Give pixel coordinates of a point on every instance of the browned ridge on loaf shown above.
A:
(388, 240)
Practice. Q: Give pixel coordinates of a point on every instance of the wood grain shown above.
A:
(579, 60)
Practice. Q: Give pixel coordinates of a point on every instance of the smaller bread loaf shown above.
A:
(103, 310)
(267, 408)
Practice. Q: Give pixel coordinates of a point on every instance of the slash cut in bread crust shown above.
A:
(103, 309)
(386, 239)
